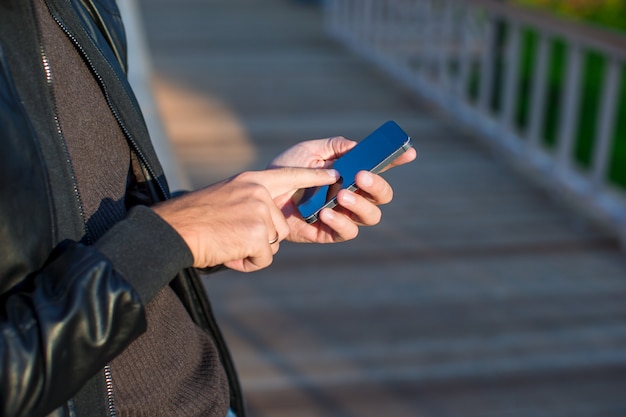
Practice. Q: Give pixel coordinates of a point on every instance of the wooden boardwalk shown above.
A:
(478, 295)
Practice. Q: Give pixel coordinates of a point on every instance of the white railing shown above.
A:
(492, 65)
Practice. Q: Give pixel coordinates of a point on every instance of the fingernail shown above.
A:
(348, 199)
(367, 179)
(329, 214)
(333, 173)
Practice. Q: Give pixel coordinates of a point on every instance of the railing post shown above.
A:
(430, 37)
(465, 53)
(570, 100)
(444, 42)
(365, 32)
(510, 90)
(349, 19)
(377, 25)
(538, 94)
(487, 65)
(606, 125)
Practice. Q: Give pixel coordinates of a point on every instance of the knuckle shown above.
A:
(258, 231)
(249, 180)
(257, 191)
(245, 176)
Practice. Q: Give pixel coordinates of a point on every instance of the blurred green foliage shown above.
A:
(608, 13)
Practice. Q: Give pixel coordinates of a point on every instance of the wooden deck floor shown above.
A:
(478, 295)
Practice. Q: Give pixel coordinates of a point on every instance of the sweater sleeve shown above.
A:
(145, 250)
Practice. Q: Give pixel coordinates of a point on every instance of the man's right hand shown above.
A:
(235, 221)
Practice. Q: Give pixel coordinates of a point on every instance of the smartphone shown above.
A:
(372, 154)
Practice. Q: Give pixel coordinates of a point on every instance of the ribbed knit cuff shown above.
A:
(146, 250)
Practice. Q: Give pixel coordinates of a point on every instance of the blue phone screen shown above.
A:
(371, 154)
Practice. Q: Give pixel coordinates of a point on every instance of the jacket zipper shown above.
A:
(66, 153)
(108, 381)
(110, 397)
(110, 401)
(127, 134)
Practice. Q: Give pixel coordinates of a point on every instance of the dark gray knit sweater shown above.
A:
(173, 369)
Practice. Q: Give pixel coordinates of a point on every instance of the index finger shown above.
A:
(279, 181)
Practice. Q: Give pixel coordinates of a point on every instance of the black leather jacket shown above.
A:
(66, 309)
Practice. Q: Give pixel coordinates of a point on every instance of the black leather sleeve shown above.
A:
(59, 328)
(60, 325)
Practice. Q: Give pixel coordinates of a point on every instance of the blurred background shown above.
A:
(495, 284)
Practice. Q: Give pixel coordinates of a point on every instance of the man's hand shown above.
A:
(236, 222)
(240, 222)
(354, 208)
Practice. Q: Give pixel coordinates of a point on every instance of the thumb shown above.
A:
(288, 179)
